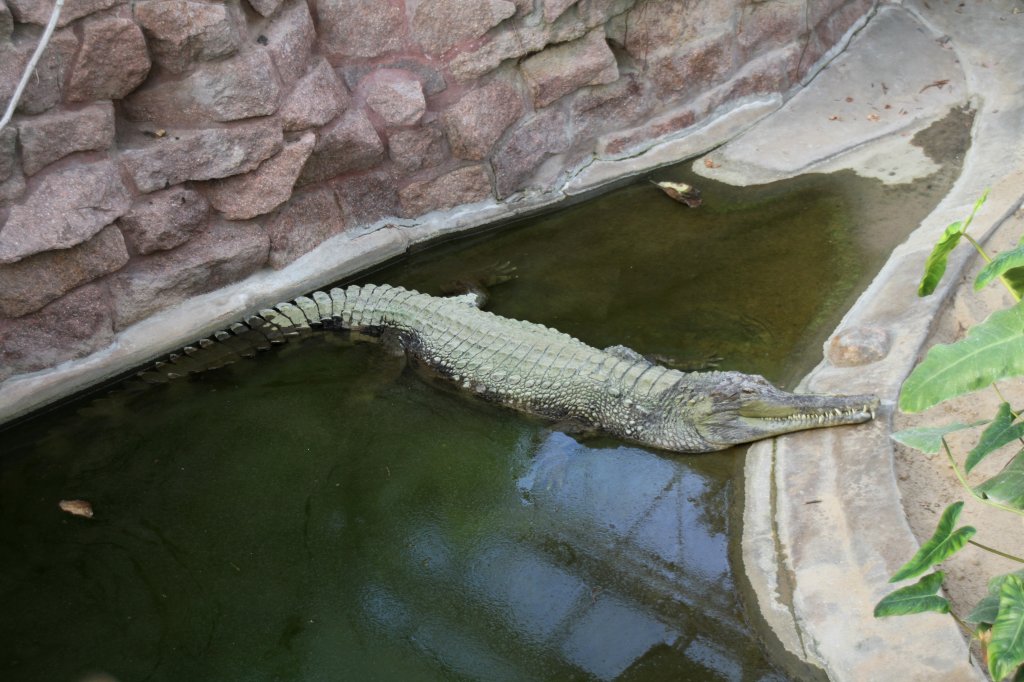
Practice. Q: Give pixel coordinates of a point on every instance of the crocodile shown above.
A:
(537, 370)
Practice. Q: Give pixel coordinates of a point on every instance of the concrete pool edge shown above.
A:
(824, 526)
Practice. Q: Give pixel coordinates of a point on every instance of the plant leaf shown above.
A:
(1006, 650)
(1006, 488)
(935, 266)
(944, 543)
(1000, 265)
(1015, 278)
(995, 583)
(977, 205)
(1000, 431)
(916, 598)
(928, 439)
(986, 610)
(992, 350)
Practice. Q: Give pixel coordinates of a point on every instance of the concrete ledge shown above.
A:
(824, 526)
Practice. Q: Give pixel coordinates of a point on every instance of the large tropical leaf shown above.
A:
(928, 439)
(1006, 649)
(916, 598)
(944, 543)
(992, 350)
(935, 266)
(1007, 487)
(1000, 266)
(1000, 431)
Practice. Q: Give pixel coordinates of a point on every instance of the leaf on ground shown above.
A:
(944, 543)
(928, 439)
(1007, 487)
(1006, 650)
(1000, 431)
(1000, 265)
(917, 598)
(935, 266)
(993, 350)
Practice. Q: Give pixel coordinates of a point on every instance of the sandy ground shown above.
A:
(928, 484)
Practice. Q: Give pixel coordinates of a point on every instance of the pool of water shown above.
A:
(321, 513)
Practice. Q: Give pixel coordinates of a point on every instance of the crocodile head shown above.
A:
(734, 408)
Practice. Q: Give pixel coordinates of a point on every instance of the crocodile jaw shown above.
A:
(759, 410)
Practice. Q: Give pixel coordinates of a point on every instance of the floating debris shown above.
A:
(681, 192)
(77, 508)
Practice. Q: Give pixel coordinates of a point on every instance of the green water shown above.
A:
(320, 513)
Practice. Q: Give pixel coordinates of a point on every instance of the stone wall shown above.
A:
(165, 148)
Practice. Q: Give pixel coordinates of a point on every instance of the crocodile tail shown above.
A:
(355, 308)
(244, 339)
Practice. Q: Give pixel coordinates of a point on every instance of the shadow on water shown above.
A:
(319, 514)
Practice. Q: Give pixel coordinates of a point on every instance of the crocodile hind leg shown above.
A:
(475, 288)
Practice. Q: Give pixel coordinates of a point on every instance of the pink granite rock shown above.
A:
(419, 148)
(439, 25)
(31, 283)
(395, 96)
(771, 25)
(290, 37)
(6, 23)
(666, 26)
(46, 87)
(38, 11)
(201, 154)
(349, 144)
(71, 327)
(516, 159)
(8, 152)
(57, 133)
(183, 31)
(431, 79)
(554, 8)
(475, 122)
(612, 107)
(265, 7)
(595, 13)
(222, 254)
(562, 69)
(245, 196)
(701, 66)
(301, 224)
(163, 220)
(317, 98)
(67, 208)
(461, 186)
(360, 28)
(367, 197)
(245, 86)
(12, 188)
(112, 62)
(497, 46)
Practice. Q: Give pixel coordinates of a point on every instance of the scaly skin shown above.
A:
(538, 370)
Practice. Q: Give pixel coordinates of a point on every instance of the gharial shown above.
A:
(538, 370)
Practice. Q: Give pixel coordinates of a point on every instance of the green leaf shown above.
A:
(1015, 278)
(1000, 431)
(992, 350)
(917, 598)
(1006, 649)
(986, 610)
(995, 583)
(935, 266)
(928, 439)
(1000, 265)
(1006, 488)
(944, 543)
